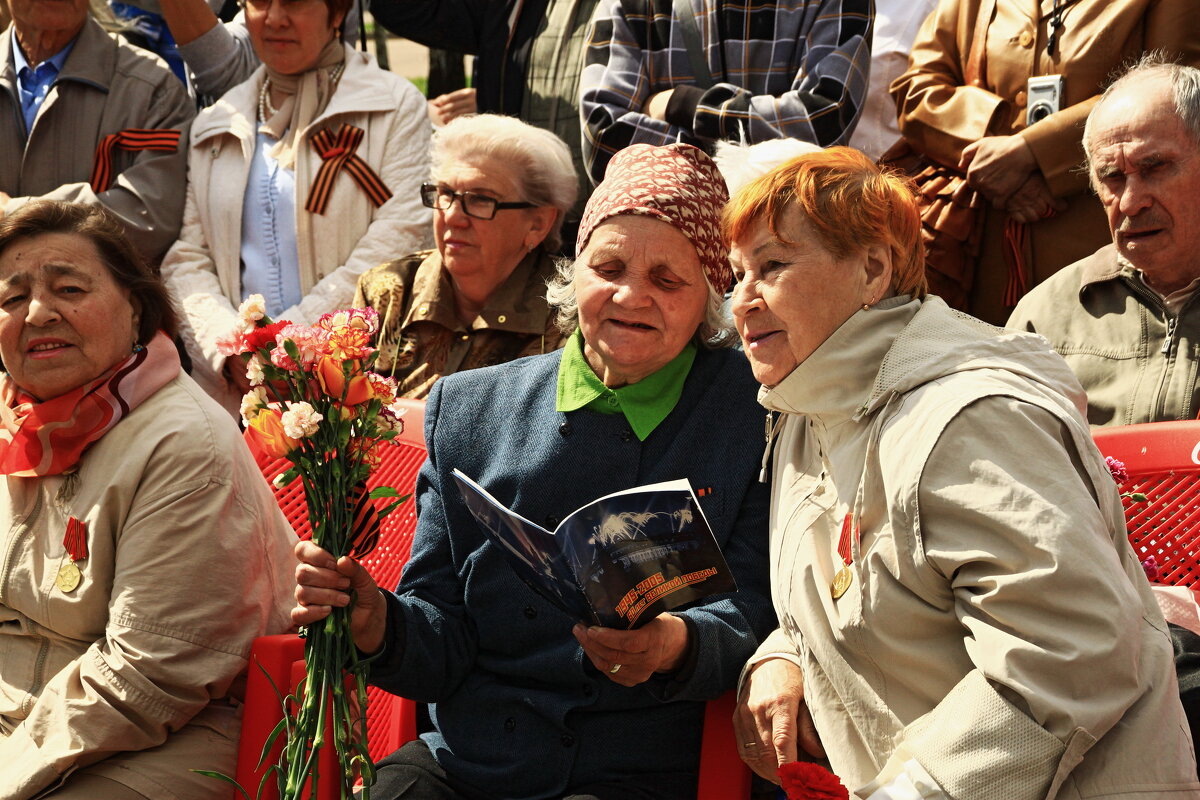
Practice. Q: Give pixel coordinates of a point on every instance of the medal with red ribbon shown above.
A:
(844, 576)
(75, 542)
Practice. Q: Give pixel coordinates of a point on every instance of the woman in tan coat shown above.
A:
(1028, 175)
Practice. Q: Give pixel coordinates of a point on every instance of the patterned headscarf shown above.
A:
(678, 184)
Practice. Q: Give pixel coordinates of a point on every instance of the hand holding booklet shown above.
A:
(618, 561)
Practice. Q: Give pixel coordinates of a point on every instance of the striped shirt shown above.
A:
(793, 68)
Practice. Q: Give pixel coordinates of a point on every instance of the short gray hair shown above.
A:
(1185, 89)
(540, 160)
(714, 332)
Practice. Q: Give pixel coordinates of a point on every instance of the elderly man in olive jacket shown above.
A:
(1127, 318)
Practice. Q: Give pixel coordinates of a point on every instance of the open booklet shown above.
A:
(618, 561)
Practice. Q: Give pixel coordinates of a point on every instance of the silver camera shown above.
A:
(1044, 97)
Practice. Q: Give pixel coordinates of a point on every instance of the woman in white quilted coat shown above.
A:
(299, 179)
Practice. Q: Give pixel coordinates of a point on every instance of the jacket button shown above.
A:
(1025, 39)
(568, 740)
(626, 435)
(564, 428)
(510, 724)
(552, 522)
(530, 612)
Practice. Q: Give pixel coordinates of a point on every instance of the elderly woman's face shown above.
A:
(289, 35)
(642, 296)
(64, 320)
(487, 250)
(789, 298)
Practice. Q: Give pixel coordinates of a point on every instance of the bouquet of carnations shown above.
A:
(314, 402)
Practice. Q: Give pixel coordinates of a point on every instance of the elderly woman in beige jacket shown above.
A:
(299, 180)
(960, 615)
(125, 489)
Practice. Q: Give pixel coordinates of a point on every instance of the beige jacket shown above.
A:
(106, 86)
(998, 630)
(203, 269)
(189, 560)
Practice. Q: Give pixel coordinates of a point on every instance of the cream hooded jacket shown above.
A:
(189, 559)
(203, 268)
(999, 634)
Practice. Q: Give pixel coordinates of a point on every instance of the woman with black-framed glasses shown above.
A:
(499, 191)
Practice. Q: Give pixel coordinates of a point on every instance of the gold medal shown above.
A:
(841, 582)
(68, 577)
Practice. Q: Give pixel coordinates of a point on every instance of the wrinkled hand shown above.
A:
(658, 646)
(322, 583)
(771, 720)
(1033, 201)
(997, 166)
(446, 107)
(656, 105)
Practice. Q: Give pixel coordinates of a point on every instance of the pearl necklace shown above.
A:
(266, 110)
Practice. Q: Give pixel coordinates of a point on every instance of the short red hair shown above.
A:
(850, 202)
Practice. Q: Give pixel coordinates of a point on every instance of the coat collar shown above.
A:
(837, 379)
(92, 61)
(515, 306)
(235, 113)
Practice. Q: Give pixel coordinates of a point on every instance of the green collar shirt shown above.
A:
(645, 404)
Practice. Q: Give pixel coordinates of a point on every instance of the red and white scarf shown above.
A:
(49, 438)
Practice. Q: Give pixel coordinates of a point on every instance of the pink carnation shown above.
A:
(311, 342)
(1116, 469)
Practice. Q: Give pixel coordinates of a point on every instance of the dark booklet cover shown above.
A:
(618, 561)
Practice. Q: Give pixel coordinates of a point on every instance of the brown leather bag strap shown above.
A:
(975, 70)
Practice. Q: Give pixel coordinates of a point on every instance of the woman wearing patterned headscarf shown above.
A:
(526, 701)
(299, 180)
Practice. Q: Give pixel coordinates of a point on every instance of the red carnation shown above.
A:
(262, 337)
(803, 780)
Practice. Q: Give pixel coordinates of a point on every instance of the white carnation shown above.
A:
(253, 401)
(254, 371)
(252, 309)
(300, 420)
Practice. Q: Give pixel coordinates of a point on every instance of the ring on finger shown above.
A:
(748, 745)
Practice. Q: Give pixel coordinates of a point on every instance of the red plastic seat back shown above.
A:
(1163, 461)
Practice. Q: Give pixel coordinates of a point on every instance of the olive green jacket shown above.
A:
(1136, 362)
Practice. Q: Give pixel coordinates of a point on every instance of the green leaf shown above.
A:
(394, 506)
(383, 491)
(208, 773)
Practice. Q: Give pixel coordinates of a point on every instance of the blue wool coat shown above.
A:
(519, 710)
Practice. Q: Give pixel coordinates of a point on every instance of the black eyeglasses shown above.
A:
(479, 206)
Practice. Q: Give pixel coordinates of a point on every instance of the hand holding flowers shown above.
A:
(313, 402)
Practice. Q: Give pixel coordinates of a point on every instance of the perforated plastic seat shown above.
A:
(1163, 461)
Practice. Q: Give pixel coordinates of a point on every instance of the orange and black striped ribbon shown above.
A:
(164, 140)
(337, 153)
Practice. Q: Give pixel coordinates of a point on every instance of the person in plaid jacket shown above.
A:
(768, 69)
